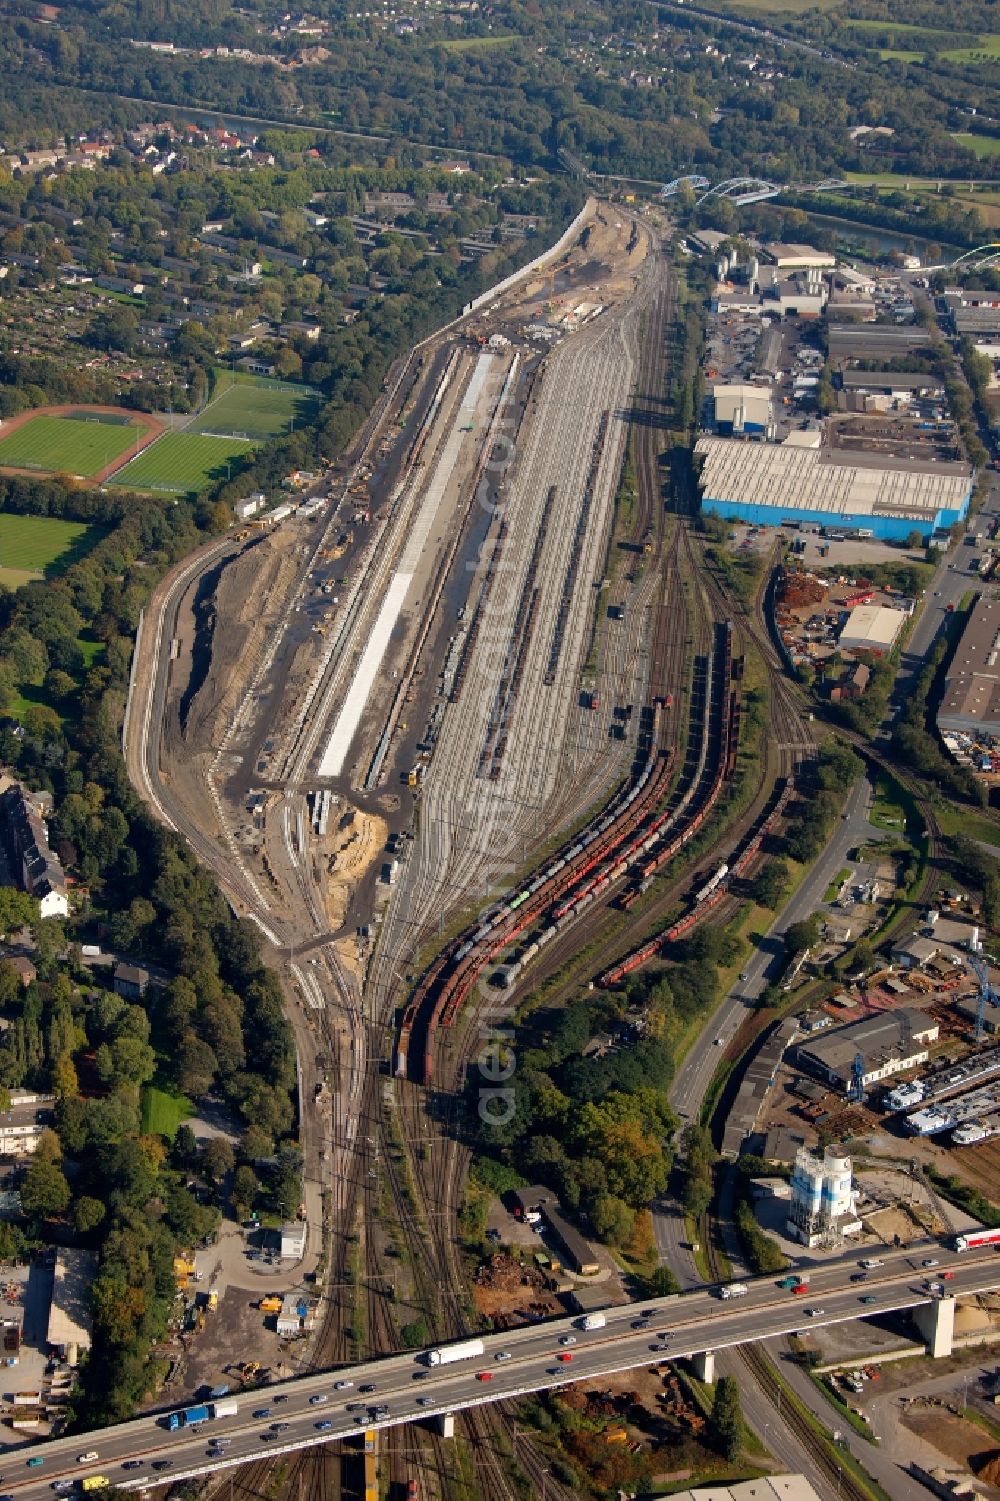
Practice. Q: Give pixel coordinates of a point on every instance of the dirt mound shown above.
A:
(989, 1468)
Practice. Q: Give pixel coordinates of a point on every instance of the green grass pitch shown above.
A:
(250, 406)
(163, 1111)
(62, 445)
(30, 545)
(183, 463)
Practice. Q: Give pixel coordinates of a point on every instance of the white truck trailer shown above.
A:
(466, 1349)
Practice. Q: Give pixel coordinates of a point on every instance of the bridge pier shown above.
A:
(704, 1366)
(446, 1424)
(936, 1322)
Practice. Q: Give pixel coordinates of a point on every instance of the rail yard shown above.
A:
(435, 729)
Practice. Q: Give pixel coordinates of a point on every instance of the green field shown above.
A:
(981, 145)
(183, 463)
(985, 50)
(33, 546)
(250, 406)
(779, 7)
(476, 43)
(62, 445)
(900, 26)
(891, 55)
(162, 1113)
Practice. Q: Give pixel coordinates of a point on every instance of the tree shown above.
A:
(88, 1213)
(44, 1192)
(17, 910)
(245, 1190)
(726, 1421)
(800, 936)
(612, 1219)
(217, 1158)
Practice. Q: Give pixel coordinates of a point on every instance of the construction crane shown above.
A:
(979, 964)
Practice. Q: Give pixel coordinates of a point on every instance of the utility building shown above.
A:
(742, 408)
(871, 628)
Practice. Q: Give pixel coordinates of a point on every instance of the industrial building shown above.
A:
(874, 341)
(886, 1044)
(971, 699)
(799, 257)
(885, 390)
(743, 408)
(770, 483)
(71, 1322)
(871, 628)
(823, 1201)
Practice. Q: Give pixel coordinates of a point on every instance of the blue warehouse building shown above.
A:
(767, 484)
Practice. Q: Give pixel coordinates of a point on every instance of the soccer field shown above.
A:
(251, 406)
(183, 463)
(31, 544)
(63, 445)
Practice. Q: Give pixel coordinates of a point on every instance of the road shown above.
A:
(692, 1081)
(514, 1363)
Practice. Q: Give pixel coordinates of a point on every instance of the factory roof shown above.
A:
(70, 1318)
(890, 380)
(798, 255)
(787, 476)
(876, 625)
(972, 687)
(764, 1488)
(871, 340)
(884, 1035)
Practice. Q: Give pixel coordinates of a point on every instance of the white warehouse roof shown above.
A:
(785, 476)
(871, 628)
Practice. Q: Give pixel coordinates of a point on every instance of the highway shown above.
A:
(515, 1363)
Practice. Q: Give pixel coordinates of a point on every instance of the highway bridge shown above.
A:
(339, 1404)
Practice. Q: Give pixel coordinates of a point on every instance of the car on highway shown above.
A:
(815, 1313)
(369, 1386)
(34, 1462)
(262, 1412)
(929, 1261)
(789, 1282)
(324, 1426)
(502, 1355)
(868, 1298)
(568, 1339)
(342, 1386)
(565, 1356)
(935, 1287)
(640, 1323)
(424, 1401)
(717, 1042)
(859, 1276)
(88, 1458)
(279, 1427)
(163, 1464)
(62, 1486)
(282, 1397)
(745, 975)
(946, 1276)
(420, 1376)
(484, 1375)
(318, 1399)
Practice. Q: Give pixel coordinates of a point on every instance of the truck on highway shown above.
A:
(95, 1483)
(466, 1349)
(973, 1240)
(592, 1321)
(734, 1290)
(203, 1412)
